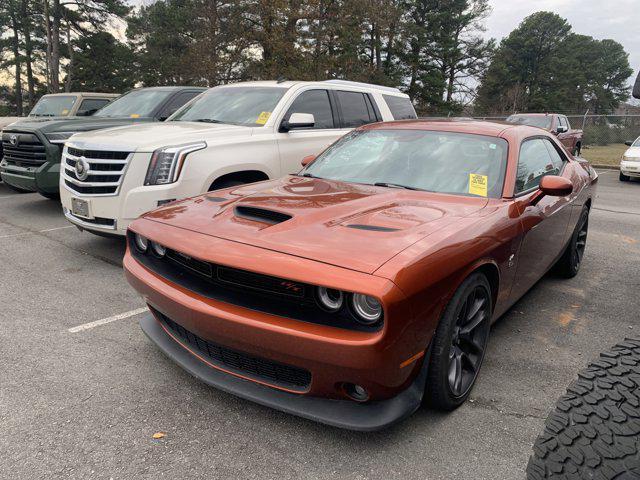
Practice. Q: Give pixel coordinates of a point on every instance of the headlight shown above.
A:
(158, 249)
(141, 243)
(368, 310)
(166, 163)
(625, 158)
(330, 299)
(58, 137)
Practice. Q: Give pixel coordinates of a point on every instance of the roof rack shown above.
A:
(362, 84)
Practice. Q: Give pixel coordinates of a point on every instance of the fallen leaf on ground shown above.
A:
(158, 435)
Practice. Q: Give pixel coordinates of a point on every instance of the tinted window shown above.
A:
(354, 109)
(315, 102)
(401, 107)
(176, 102)
(456, 163)
(533, 164)
(556, 158)
(91, 105)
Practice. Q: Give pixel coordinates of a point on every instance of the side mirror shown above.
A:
(636, 87)
(561, 129)
(628, 143)
(299, 120)
(307, 160)
(556, 186)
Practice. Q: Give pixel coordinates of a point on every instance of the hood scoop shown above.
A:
(373, 228)
(262, 215)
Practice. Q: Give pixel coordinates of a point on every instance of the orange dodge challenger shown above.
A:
(360, 287)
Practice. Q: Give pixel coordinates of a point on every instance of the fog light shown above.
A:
(368, 310)
(356, 392)
(158, 249)
(330, 299)
(141, 243)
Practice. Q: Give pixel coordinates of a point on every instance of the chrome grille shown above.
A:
(23, 149)
(105, 174)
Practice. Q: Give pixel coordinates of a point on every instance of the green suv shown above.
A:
(32, 147)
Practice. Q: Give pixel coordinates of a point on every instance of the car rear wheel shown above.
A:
(569, 264)
(576, 150)
(624, 178)
(459, 344)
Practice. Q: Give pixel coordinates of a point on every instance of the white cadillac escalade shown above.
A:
(229, 135)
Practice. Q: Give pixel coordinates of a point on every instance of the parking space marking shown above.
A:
(104, 321)
(39, 231)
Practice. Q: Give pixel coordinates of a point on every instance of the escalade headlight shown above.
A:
(166, 163)
(59, 137)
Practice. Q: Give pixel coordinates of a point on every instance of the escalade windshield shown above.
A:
(50, 106)
(136, 103)
(445, 162)
(246, 106)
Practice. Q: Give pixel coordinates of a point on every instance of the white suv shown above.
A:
(229, 135)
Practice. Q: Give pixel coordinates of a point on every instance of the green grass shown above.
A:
(604, 155)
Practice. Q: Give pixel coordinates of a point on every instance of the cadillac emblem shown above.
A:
(82, 169)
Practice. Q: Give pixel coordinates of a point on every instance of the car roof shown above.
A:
(477, 127)
(533, 114)
(84, 94)
(171, 88)
(321, 84)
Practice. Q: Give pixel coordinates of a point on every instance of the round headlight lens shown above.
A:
(330, 299)
(368, 310)
(141, 243)
(158, 249)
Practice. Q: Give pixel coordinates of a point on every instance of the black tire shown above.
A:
(569, 264)
(225, 184)
(624, 178)
(594, 431)
(459, 346)
(50, 196)
(576, 150)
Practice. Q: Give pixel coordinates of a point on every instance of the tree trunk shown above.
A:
(67, 83)
(47, 24)
(28, 47)
(55, 48)
(18, 67)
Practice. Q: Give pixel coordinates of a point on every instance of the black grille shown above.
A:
(274, 373)
(95, 178)
(261, 214)
(89, 190)
(99, 221)
(255, 291)
(98, 154)
(103, 167)
(23, 149)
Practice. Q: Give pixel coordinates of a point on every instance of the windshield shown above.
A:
(636, 143)
(53, 106)
(136, 103)
(540, 121)
(445, 162)
(247, 106)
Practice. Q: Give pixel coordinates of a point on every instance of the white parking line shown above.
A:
(16, 196)
(39, 231)
(104, 321)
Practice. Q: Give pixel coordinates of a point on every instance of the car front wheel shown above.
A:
(569, 264)
(624, 178)
(459, 344)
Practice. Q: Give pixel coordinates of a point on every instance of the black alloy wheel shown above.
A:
(569, 263)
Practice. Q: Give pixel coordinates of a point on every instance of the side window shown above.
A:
(562, 121)
(354, 109)
(534, 163)
(556, 158)
(566, 122)
(89, 106)
(401, 107)
(176, 102)
(315, 102)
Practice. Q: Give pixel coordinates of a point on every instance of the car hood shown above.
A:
(355, 226)
(633, 152)
(72, 124)
(151, 136)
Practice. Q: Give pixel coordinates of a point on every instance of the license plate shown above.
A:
(80, 207)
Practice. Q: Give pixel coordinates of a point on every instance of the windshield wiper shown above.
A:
(205, 120)
(394, 185)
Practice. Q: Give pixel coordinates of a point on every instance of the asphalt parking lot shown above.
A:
(87, 404)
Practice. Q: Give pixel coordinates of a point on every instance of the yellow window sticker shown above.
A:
(478, 184)
(134, 115)
(65, 111)
(263, 117)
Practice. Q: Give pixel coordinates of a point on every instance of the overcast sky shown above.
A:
(618, 20)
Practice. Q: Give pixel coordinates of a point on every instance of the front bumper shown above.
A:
(42, 178)
(630, 168)
(346, 414)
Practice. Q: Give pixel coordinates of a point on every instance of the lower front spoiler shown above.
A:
(346, 414)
